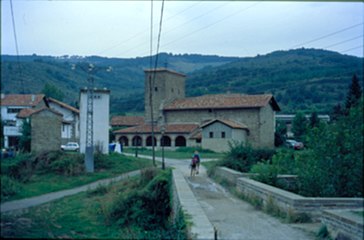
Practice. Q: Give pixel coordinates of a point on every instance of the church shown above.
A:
(209, 121)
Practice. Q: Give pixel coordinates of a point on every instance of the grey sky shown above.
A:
(226, 28)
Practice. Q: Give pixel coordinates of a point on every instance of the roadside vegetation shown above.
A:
(331, 164)
(140, 208)
(29, 175)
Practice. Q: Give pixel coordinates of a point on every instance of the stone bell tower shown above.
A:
(165, 85)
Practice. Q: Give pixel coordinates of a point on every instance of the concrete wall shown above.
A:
(343, 224)
(267, 127)
(46, 131)
(185, 200)
(285, 200)
(101, 111)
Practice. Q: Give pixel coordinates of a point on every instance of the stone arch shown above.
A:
(180, 141)
(166, 141)
(137, 141)
(124, 141)
(148, 141)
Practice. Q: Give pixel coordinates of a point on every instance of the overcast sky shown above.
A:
(225, 28)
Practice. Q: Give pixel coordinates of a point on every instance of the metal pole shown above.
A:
(89, 151)
(163, 165)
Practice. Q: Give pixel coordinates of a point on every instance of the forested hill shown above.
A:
(302, 79)
(126, 80)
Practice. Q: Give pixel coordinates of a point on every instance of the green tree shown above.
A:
(299, 126)
(280, 134)
(1, 134)
(336, 112)
(354, 94)
(314, 120)
(25, 139)
(52, 91)
(334, 166)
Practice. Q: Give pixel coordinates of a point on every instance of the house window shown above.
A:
(222, 134)
(172, 90)
(210, 110)
(14, 110)
(156, 89)
(211, 134)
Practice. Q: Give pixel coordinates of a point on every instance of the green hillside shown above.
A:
(302, 79)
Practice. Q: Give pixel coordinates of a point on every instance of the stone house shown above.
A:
(45, 130)
(209, 121)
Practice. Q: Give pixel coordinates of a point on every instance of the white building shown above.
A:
(101, 108)
(11, 105)
(71, 120)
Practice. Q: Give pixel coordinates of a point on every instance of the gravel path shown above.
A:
(21, 204)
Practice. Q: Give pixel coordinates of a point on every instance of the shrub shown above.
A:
(19, 168)
(102, 161)
(9, 187)
(265, 173)
(148, 207)
(69, 165)
(242, 157)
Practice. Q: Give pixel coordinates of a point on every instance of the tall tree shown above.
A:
(25, 139)
(52, 91)
(280, 134)
(354, 94)
(314, 120)
(299, 126)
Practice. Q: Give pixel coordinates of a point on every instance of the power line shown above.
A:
(348, 40)
(327, 35)
(143, 32)
(16, 46)
(348, 50)
(212, 24)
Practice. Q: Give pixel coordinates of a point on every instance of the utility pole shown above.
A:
(89, 152)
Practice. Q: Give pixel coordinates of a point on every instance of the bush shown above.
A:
(69, 165)
(19, 168)
(9, 187)
(147, 208)
(266, 173)
(102, 161)
(242, 157)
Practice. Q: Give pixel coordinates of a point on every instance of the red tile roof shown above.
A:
(227, 122)
(64, 105)
(126, 121)
(27, 112)
(171, 128)
(29, 100)
(221, 101)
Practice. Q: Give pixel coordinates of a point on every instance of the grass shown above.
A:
(50, 182)
(181, 153)
(82, 216)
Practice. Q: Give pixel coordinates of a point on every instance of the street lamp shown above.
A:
(162, 142)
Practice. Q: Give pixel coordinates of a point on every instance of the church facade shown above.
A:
(209, 121)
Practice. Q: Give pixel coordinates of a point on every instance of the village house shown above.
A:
(209, 121)
(17, 107)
